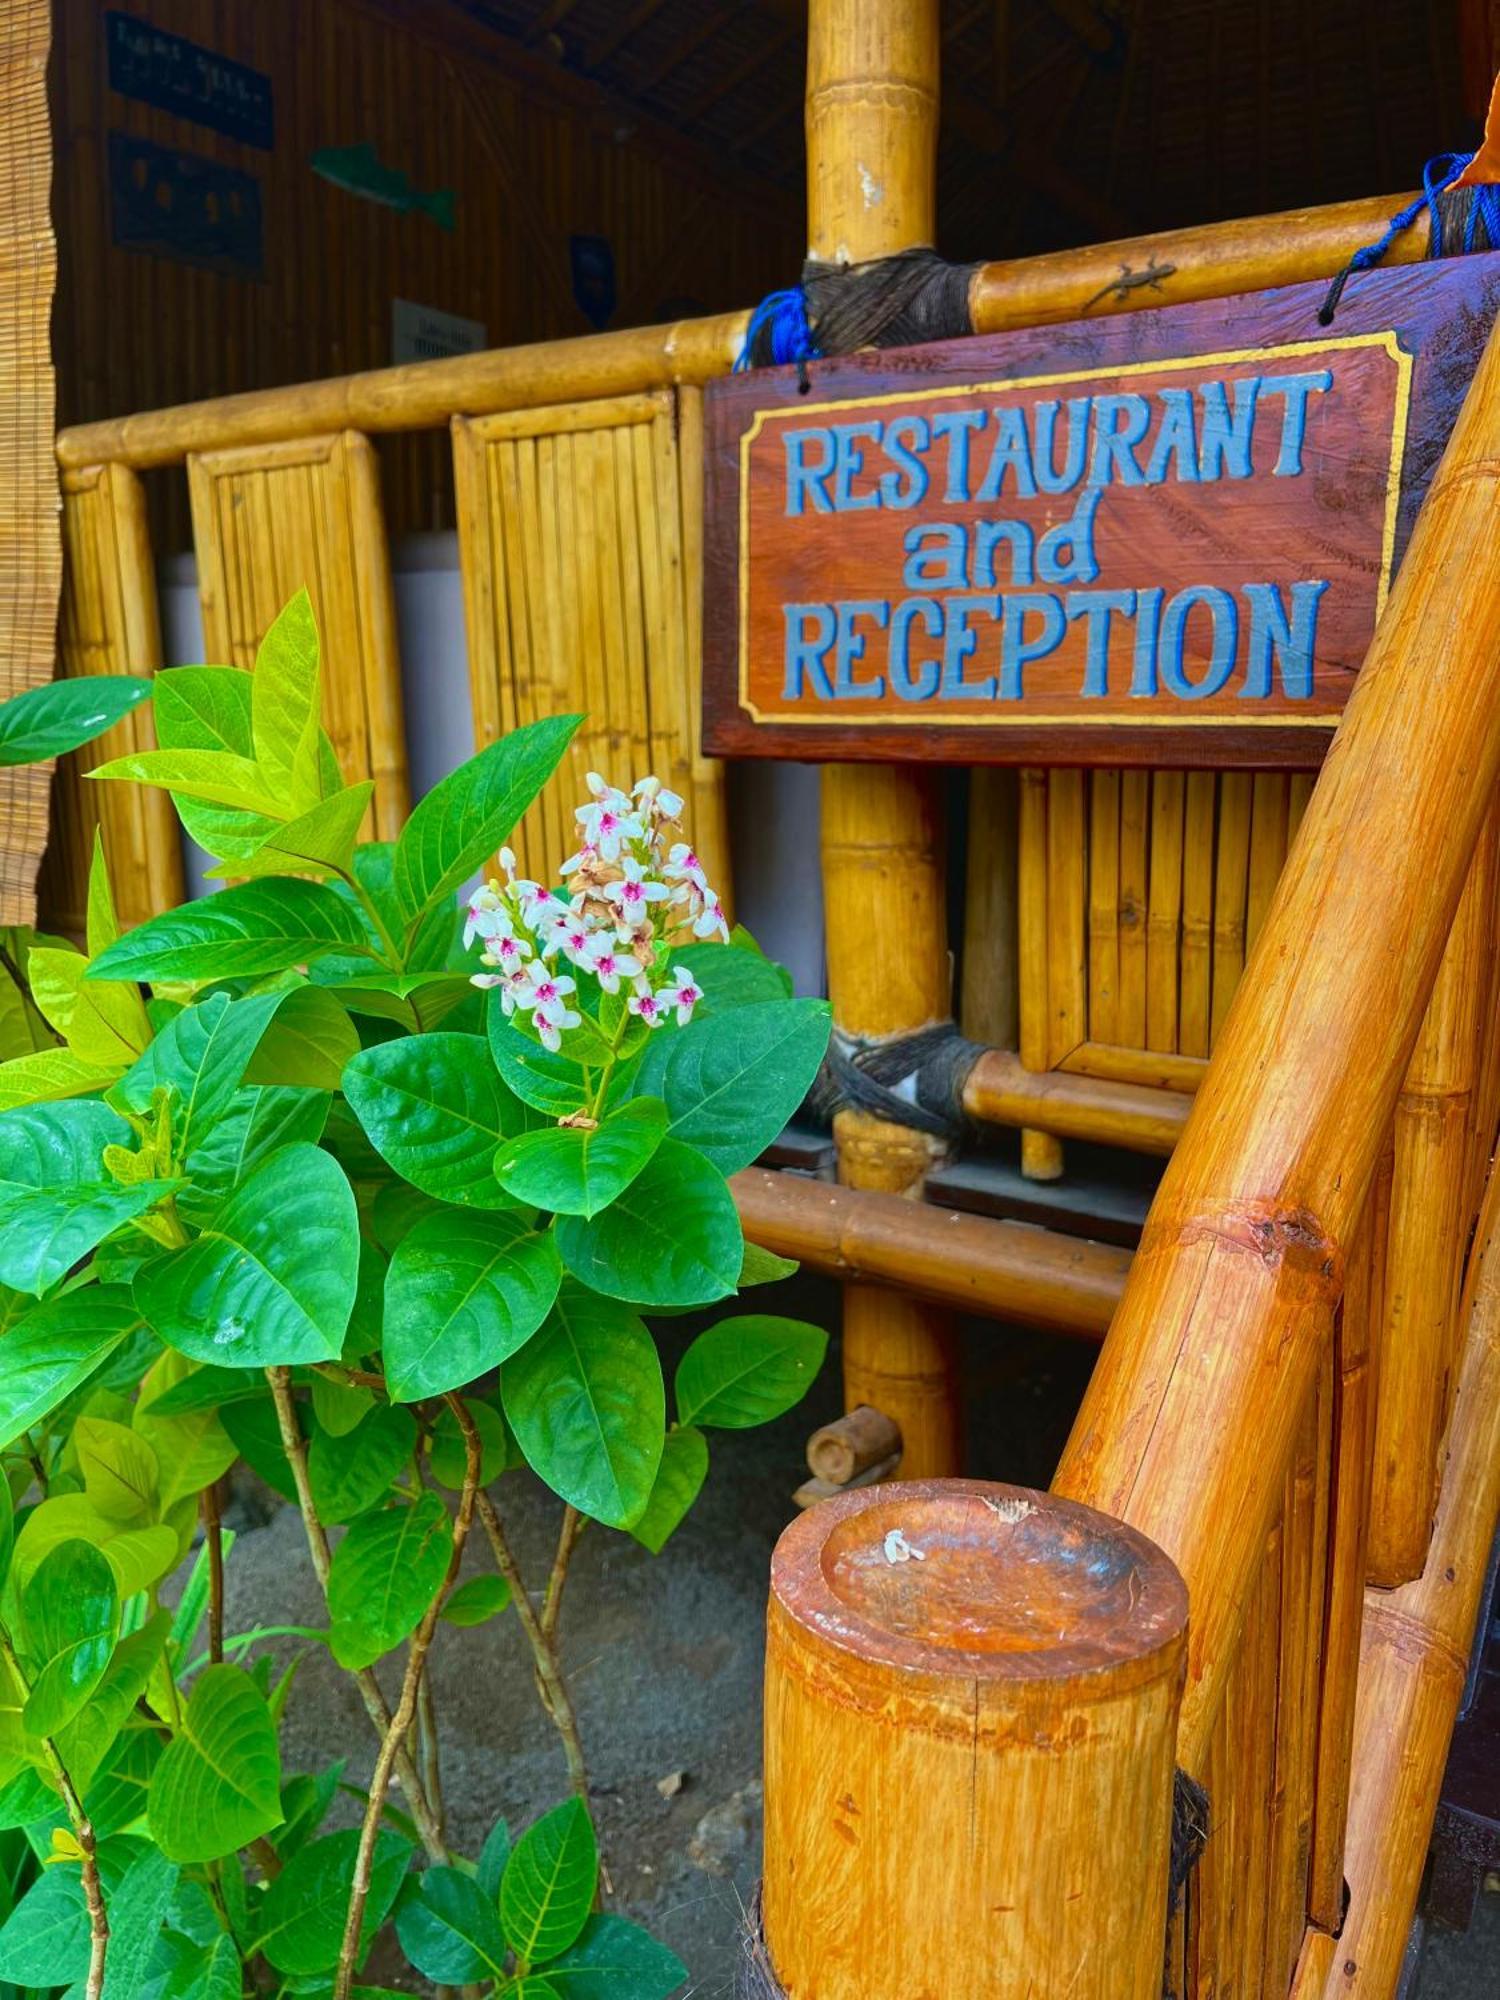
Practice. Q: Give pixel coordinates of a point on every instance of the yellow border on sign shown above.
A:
(1389, 342)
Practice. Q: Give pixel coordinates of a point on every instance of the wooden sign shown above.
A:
(1159, 538)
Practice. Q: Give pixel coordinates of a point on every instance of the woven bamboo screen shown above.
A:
(1142, 893)
(109, 625)
(30, 547)
(269, 519)
(578, 533)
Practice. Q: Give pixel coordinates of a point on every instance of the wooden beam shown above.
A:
(710, 22)
(625, 25)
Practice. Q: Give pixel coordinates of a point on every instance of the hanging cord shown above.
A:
(898, 301)
(1463, 220)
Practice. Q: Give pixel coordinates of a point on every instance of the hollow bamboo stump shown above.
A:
(971, 1706)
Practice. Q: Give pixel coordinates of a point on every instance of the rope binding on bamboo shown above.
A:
(914, 1080)
(1464, 220)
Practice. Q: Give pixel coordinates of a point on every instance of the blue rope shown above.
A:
(1438, 176)
(783, 315)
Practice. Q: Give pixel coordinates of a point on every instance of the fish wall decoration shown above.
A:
(358, 170)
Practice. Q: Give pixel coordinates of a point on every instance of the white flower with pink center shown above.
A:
(610, 963)
(647, 1008)
(682, 993)
(633, 896)
(574, 938)
(683, 867)
(710, 921)
(488, 915)
(542, 993)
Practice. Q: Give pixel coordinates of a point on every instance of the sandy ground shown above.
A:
(665, 1659)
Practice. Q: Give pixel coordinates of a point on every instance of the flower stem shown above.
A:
(213, 1536)
(83, 1833)
(405, 1713)
(572, 1527)
(376, 1707)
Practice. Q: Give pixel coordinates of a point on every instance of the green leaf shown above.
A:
(307, 1044)
(672, 1238)
(116, 1800)
(341, 1407)
(477, 1600)
(271, 1280)
(242, 932)
(203, 708)
(256, 1431)
(102, 1021)
(731, 1082)
(198, 1387)
(201, 1056)
(616, 1960)
(493, 1859)
(47, 721)
(764, 1267)
(86, 1741)
(194, 1971)
(386, 1571)
(468, 814)
(746, 1371)
(45, 1941)
(285, 703)
(45, 1231)
(121, 1475)
(586, 1401)
(139, 1556)
(214, 776)
(463, 1293)
(54, 1145)
(47, 1075)
(136, 1910)
(192, 1449)
(434, 1109)
(69, 1612)
(416, 1001)
(449, 1930)
(548, 1887)
(448, 1455)
(321, 839)
(574, 1171)
(731, 977)
(218, 1785)
(302, 1916)
(679, 1480)
(55, 1347)
(353, 1473)
(545, 1080)
(257, 1120)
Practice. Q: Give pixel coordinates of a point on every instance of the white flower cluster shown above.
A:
(631, 897)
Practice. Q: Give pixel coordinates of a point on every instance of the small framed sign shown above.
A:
(1159, 538)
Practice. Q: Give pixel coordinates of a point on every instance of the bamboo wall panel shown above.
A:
(109, 625)
(579, 581)
(1140, 896)
(30, 556)
(268, 521)
(532, 153)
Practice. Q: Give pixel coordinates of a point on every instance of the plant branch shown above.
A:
(567, 1541)
(550, 1682)
(213, 1536)
(406, 1708)
(83, 1833)
(294, 1444)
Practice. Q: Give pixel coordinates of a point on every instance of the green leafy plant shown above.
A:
(279, 1185)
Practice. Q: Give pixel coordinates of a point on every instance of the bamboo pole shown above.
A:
(1414, 1660)
(1424, 1258)
(1217, 260)
(965, 1685)
(1041, 1154)
(1000, 1090)
(1209, 261)
(1186, 1429)
(989, 1010)
(1358, 1360)
(974, 1263)
(872, 97)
